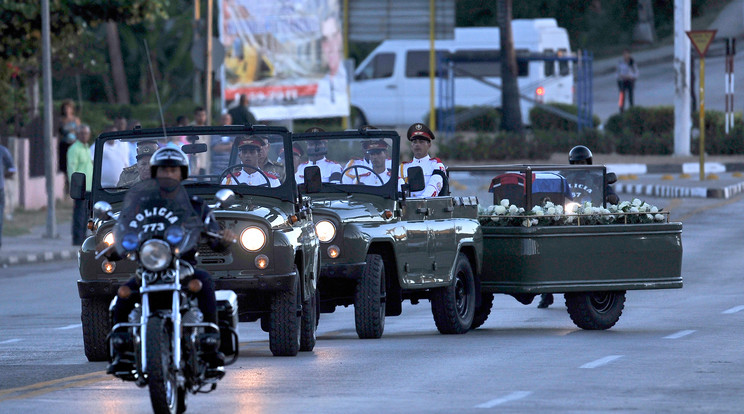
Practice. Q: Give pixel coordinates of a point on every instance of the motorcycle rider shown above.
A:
(172, 163)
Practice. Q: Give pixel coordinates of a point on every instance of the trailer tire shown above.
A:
(369, 299)
(595, 310)
(453, 306)
(96, 326)
(482, 311)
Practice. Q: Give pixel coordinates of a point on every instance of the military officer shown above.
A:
(249, 152)
(316, 152)
(141, 170)
(377, 152)
(273, 167)
(421, 136)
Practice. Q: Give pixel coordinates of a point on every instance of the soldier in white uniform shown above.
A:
(421, 136)
(316, 152)
(377, 152)
(249, 151)
(350, 175)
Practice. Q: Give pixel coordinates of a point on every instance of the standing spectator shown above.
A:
(200, 117)
(78, 160)
(241, 115)
(8, 169)
(627, 73)
(182, 121)
(220, 148)
(68, 126)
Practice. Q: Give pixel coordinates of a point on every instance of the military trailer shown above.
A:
(273, 268)
(572, 243)
(380, 247)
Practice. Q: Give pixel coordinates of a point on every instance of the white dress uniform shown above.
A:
(367, 178)
(433, 182)
(350, 175)
(253, 178)
(327, 167)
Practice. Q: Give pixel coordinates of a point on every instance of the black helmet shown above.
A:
(580, 153)
(170, 157)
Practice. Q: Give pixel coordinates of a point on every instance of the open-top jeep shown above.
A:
(378, 247)
(549, 230)
(273, 268)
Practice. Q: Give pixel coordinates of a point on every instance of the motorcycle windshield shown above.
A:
(157, 209)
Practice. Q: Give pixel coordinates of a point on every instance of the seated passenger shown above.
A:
(316, 152)
(377, 152)
(141, 170)
(421, 136)
(249, 152)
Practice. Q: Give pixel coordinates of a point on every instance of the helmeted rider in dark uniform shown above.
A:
(579, 155)
(171, 162)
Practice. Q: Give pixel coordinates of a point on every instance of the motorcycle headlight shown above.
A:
(174, 235)
(325, 230)
(155, 255)
(129, 241)
(109, 238)
(252, 239)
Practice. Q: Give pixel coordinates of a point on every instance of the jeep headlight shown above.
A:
(155, 255)
(325, 230)
(109, 238)
(252, 239)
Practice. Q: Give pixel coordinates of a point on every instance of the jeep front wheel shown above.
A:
(595, 310)
(482, 311)
(96, 326)
(369, 300)
(285, 321)
(309, 323)
(453, 306)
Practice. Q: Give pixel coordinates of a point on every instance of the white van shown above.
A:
(391, 86)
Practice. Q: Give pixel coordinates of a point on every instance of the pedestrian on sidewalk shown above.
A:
(8, 169)
(78, 160)
(627, 73)
(68, 126)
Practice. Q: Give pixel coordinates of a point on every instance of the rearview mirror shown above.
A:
(611, 178)
(194, 148)
(313, 180)
(224, 197)
(102, 210)
(77, 186)
(416, 181)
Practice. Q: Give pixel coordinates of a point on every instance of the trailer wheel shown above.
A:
(453, 306)
(369, 301)
(482, 311)
(595, 310)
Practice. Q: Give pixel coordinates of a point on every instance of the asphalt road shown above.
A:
(672, 350)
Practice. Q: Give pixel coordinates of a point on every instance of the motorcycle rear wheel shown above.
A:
(162, 380)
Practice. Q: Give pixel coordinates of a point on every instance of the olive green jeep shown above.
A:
(380, 247)
(273, 267)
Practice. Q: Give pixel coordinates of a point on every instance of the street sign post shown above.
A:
(701, 40)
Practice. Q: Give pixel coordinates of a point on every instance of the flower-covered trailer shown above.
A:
(549, 230)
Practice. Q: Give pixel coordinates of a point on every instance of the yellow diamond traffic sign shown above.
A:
(701, 39)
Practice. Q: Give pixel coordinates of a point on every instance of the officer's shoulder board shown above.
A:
(131, 168)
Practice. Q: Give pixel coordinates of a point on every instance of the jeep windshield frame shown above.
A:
(201, 184)
(354, 139)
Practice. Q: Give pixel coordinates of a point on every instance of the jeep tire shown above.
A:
(285, 321)
(482, 311)
(595, 310)
(369, 299)
(453, 306)
(309, 323)
(96, 327)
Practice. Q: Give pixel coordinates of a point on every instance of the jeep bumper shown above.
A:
(344, 270)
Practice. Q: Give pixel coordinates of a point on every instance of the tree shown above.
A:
(511, 119)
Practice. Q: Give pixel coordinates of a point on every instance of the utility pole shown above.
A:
(682, 68)
(208, 66)
(46, 58)
(195, 40)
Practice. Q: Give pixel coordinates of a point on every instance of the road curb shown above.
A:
(675, 191)
(21, 259)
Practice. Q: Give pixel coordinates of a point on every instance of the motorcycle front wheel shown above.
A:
(162, 379)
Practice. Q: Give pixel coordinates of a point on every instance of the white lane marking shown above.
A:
(680, 334)
(734, 309)
(64, 328)
(601, 361)
(516, 395)
(10, 341)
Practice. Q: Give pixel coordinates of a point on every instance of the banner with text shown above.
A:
(286, 56)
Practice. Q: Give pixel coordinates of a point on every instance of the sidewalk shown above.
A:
(36, 247)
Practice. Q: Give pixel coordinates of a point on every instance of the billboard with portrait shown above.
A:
(286, 56)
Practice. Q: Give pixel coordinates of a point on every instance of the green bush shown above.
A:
(716, 140)
(540, 118)
(642, 130)
(480, 118)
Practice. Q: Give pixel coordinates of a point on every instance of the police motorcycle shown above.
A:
(165, 338)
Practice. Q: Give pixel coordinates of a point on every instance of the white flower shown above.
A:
(589, 210)
(654, 209)
(551, 210)
(659, 217)
(513, 209)
(537, 209)
(623, 205)
(505, 202)
(634, 209)
(521, 210)
(499, 209)
(539, 213)
(637, 202)
(549, 204)
(559, 209)
(526, 223)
